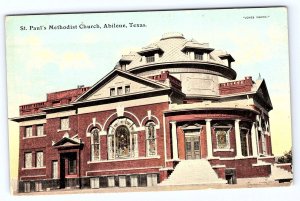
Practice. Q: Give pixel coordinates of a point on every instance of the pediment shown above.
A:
(119, 81)
(66, 141)
(263, 94)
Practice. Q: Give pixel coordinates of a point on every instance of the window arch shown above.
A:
(95, 144)
(151, 139)
(122, 140)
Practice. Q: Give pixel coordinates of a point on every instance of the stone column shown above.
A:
(174, 140)
(208, 138)
(254, 140)
(257, 140)
(238, 138)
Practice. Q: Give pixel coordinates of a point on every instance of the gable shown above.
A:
(66, 141)
(263, 94)
(119, 80)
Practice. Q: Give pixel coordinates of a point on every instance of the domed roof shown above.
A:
(172, 48)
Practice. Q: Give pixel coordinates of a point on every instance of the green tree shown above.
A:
(286, 158)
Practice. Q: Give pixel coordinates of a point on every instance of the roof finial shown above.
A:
(259, 76)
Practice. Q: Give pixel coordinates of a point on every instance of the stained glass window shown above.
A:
(151, 139)
(122, 139)
(95, 152)
(222, 135)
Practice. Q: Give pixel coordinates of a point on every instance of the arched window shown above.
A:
(151, 139)
(95, 144)
(122, 135)
(122, 139)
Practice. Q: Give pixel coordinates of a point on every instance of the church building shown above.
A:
(171, 113)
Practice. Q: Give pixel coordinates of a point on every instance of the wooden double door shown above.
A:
(192, 145)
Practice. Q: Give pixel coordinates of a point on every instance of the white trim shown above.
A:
(158, 122)
(128, 103)
(218, 166)
(282, 164)
(24, 138)
(61, 114)
(265, 157)
(103, 133)
(60, 130)
(108, 119)
(208, 137)
(260, 164)
(140, 128)
(237, 138)
(171, 160)
(41, 175)
(88, 134)
(166, 168)
(120, 110)
(94, 121)
(134, 117)
(125, 159)
(244, 157)
(174, 140)
(165, 140)
(32, 122)
(231, 150)
(34, 168)
(148, 115)
(231, 158)
(123, 169)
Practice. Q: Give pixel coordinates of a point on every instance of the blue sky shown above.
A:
(39, 62)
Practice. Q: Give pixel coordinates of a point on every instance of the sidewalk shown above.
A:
(155, 188)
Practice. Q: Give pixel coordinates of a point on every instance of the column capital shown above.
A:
(237, 120)
(173, 122)
(208, 120)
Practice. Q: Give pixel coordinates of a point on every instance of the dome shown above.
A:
(172, 51)
(172, 35)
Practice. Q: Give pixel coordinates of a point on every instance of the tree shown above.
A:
(286, 158)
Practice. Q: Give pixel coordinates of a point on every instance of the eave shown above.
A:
(41, 115)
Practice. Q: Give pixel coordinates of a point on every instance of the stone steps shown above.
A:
(193, 172)
(279, 174)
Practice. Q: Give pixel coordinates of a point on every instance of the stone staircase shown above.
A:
(193, 172)
(278, 174)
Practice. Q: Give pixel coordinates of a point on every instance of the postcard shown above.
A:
(148, 101)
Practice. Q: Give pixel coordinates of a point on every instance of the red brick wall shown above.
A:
(236, 86)
(232, 145)
(244, 167)
(181, 143)
(203, 142)
(84, 120)
(79, 125)
(220, 172)
(286, 166)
